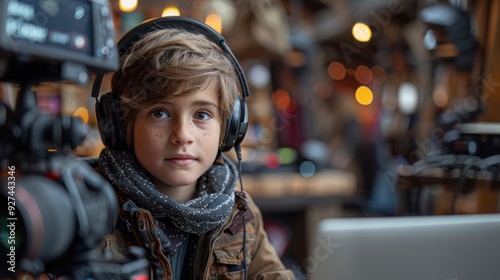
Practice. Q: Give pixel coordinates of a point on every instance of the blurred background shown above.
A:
(358, 108)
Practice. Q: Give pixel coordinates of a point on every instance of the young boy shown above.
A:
(175, 187)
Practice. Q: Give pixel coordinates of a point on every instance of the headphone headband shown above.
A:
(189, 24)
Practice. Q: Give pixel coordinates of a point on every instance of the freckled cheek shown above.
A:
(212, 139)
(148, 136)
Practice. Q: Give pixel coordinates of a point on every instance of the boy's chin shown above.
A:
(177, 190)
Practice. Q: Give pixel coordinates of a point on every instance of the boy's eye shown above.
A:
(202, 115)
(159, 114)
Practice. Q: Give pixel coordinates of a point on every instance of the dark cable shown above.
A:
(237, 148)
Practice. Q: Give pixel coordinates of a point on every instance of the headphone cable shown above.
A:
(237, 148)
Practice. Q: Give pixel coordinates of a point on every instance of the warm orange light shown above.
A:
(281, 99)
(215, 21)
(83, 113)
(170, 11)
(361, 32)
(336, 70)
(127, 5)
(295, 59)
(440, 97)
(364, 95)
(363, 75)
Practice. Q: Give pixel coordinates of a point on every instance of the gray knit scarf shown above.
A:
(206, 211)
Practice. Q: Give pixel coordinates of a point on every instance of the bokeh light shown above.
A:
(407, 98)
(215, 21)
(83, 113)
(127, 5)
(336, 70)
(171, 11)
(287, 155)
(259, 75)
(363, 75)
(440, 97)
(307, 169)
(281, 99)
(361, 32)
(272, 160)
(364, 95)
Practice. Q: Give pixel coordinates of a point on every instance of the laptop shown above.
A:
(455, 247)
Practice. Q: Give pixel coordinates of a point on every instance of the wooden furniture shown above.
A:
(324, 183)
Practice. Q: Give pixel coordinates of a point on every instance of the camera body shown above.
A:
(71, 36)
(58, 208)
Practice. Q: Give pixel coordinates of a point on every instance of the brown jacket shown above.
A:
(218, 253)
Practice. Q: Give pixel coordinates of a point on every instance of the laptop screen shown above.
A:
(422, 248)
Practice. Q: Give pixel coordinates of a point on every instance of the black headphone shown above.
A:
(108, 106)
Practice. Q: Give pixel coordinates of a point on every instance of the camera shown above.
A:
(59, 40)
(56, 209)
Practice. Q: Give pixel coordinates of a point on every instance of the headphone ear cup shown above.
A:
(243, 124)
(236, 126)
(110, 123)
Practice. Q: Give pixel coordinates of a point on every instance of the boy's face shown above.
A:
(177, 140)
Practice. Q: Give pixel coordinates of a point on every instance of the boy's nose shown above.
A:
(181, 133)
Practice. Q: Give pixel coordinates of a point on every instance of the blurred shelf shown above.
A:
(321, 184)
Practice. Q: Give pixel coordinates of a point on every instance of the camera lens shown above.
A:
(12, 234)
(40, 218)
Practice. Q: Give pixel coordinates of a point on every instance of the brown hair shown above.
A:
(168, 63)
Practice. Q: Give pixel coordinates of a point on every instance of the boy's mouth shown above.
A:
(181, 159)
